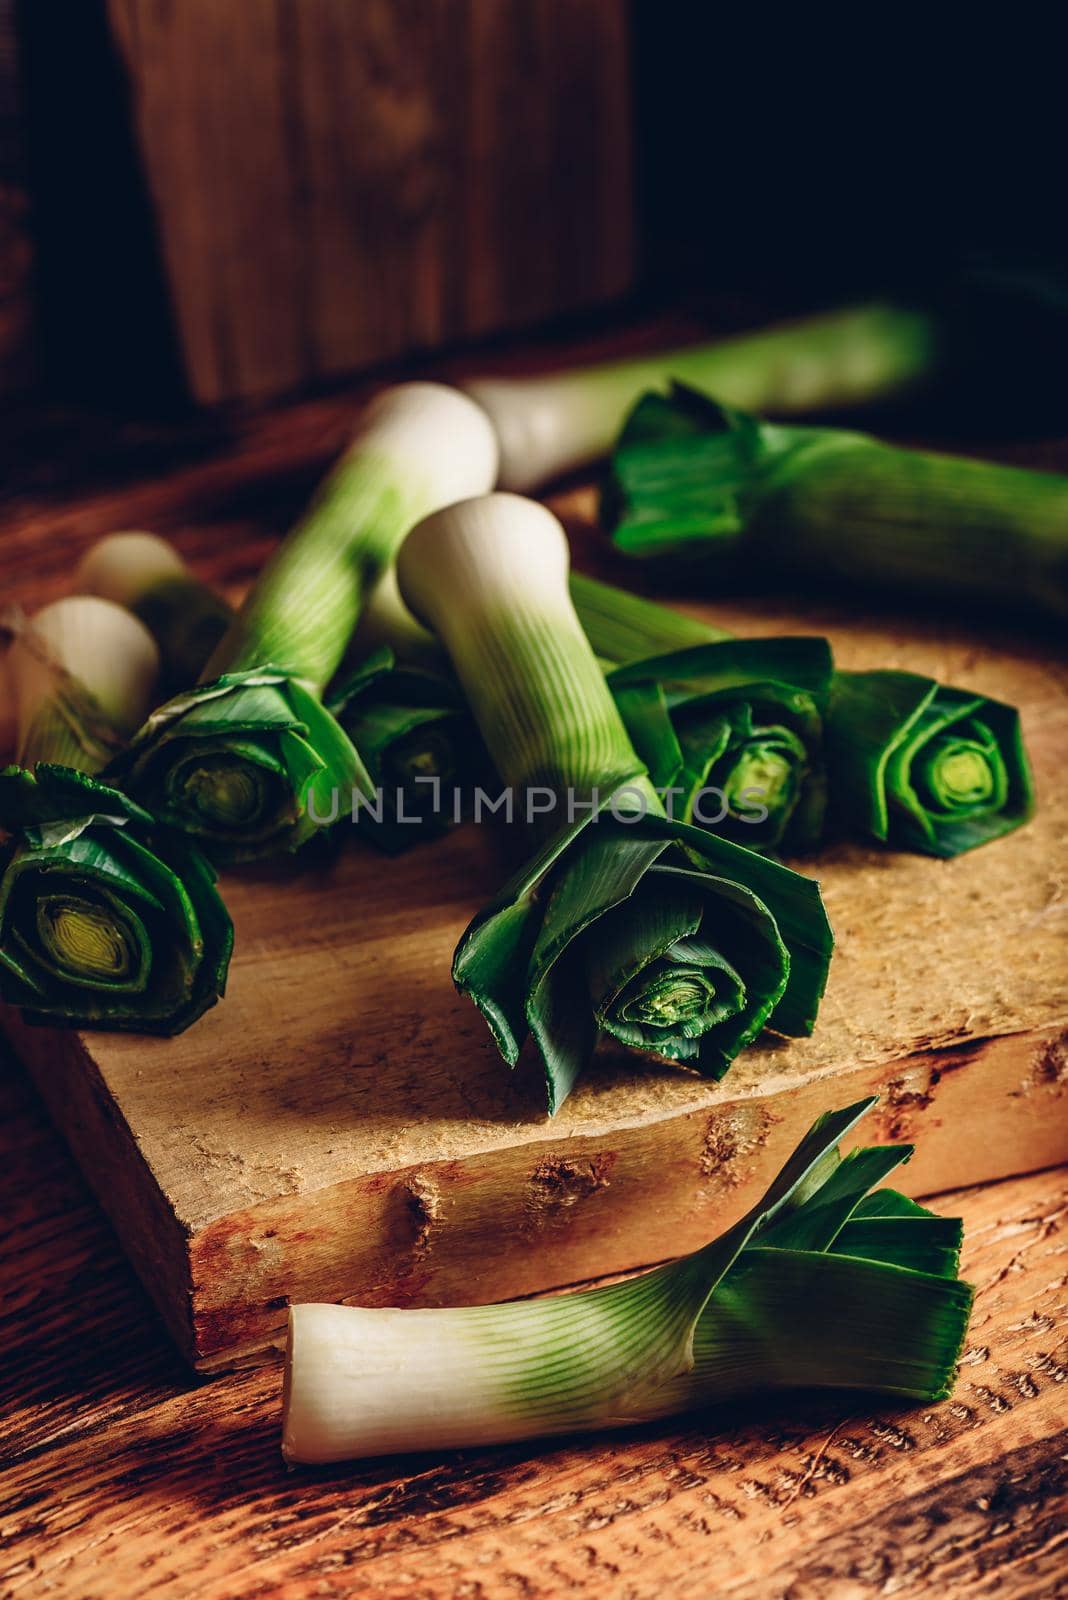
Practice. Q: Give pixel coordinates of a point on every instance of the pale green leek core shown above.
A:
(622, 922)
(251, 761)
(552, 424)
(103, 922)
(822, 1284)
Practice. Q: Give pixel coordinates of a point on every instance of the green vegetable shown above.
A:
(692, 479)
(105, 919)
(924, 767)
(911, 762)
(250, 762)
(551, 424)
(420, 744)
(623, 922)
(821, 1285)
(734, 730)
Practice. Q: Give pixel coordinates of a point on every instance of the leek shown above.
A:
(105, 920)
(408, 722)
(623, 922)
(734, 730)
(821, 1285)
(422, 749)
(692, 479)
(145, 574)
(925, 767)
(551, 424)
(250, 762)
(910, 762)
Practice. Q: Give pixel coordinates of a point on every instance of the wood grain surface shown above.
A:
(119, 1479)
(341, 1127)
(339, 183)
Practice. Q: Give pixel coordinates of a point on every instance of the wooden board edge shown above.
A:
(112, 1164)
(566, 1210)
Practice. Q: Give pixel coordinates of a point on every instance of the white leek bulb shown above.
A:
(437, 433)
(85, 651)
(123, 566)
(490, 576)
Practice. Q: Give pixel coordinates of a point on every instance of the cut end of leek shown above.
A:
(123, 566)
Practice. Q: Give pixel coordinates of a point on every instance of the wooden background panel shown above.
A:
(118, 1477)
(337, 183)
(16, 252)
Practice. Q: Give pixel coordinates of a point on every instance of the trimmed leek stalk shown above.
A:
(913, 763)
(105, 920)
(624, 922)
(552, 424)
(693, 480)
(822, 1285)
(145, 574)
(250, 762)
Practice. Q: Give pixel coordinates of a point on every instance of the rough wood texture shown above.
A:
(341, 1127)
(122, 1481)
(338, 183)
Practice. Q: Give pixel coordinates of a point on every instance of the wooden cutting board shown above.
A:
(341, 1127)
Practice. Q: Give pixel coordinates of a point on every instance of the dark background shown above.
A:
(780, 163)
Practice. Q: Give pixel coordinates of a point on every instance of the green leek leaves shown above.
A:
(105, 920)
(422, 749)
(694, 480)
(250, 764)
(652, 932)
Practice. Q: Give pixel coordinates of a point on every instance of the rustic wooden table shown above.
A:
(123, 1477)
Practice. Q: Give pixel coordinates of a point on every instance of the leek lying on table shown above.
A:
(145, 574)
(553, 423)
(105, 920)
(823, 1284)
(623, 922)
(692, 480)
(250, 762)
(913, 763)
